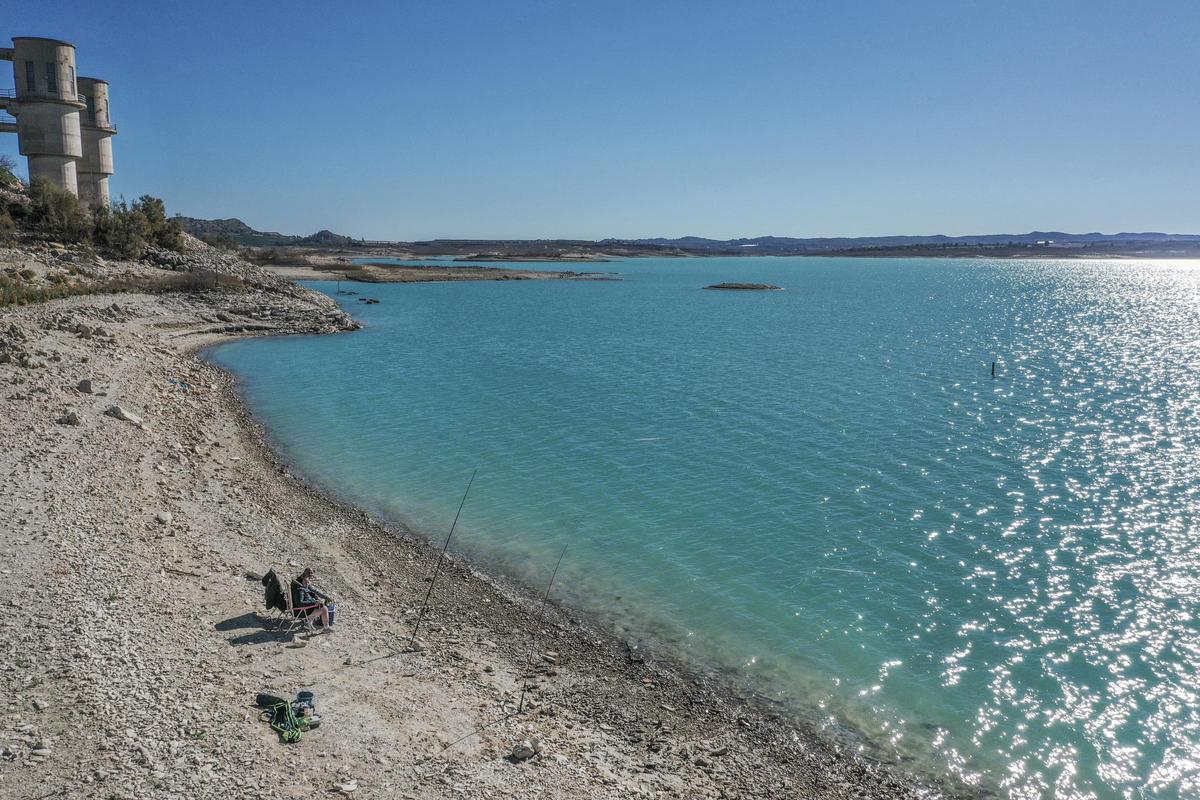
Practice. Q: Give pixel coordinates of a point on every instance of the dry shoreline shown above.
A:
(172, 652)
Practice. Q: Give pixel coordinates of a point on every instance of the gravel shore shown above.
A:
(139, 504)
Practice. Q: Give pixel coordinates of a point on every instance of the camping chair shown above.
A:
(290, 618)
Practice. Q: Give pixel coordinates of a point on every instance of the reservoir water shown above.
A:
(822, 490)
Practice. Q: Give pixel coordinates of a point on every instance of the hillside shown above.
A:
(240, 233)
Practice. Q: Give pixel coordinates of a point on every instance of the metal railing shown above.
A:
(39, 93)
(95, 123)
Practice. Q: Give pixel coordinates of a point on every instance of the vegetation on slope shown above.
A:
(45, 216)
(120, 230)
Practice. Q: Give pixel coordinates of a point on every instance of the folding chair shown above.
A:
(292, 617)
(296, 617)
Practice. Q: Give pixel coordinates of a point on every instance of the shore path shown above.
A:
(132, 645)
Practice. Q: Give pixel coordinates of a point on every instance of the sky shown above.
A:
(562, 119)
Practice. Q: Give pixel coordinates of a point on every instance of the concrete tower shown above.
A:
(97, 130)
(46, 104)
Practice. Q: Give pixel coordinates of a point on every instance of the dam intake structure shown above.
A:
(61, 120)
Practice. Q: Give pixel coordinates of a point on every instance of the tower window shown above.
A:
(51, 77)
(91, 107)
(71, 77)
(30, 77)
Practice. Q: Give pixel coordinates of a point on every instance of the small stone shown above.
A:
(39, 704)
(69, 418)
(163, 518)
(40, 752)
(123, 414)
(349, 787)
(85, 386)
(526, 749)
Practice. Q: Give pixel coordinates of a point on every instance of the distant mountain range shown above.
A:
(779, 245)
(1147, 244)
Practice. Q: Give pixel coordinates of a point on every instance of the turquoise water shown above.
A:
(821, 490)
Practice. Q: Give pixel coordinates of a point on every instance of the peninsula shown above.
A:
(319, 267)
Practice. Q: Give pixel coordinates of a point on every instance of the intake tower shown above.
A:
(62, 121)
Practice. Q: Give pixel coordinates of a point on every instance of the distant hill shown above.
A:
(326, 238)
(780, 245)
(1033, 244)
(242, 234)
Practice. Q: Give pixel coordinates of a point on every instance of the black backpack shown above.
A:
(273, 592)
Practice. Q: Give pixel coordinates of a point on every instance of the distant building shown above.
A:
(61, 120)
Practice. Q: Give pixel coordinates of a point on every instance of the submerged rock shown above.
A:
(759, 287)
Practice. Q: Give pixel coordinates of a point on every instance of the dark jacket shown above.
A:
(273, 592)
(306, 595)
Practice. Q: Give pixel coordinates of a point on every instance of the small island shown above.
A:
(760, 287)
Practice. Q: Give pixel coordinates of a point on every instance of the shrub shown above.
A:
(170, 235)
(56, 213)
(154, 210)
(164, 232)
(18, 293)
(124, 231)
(120, 231)
(8, 171)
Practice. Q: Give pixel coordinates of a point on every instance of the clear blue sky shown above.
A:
(406, 120)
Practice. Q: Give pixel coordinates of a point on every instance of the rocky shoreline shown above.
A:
(134, 642)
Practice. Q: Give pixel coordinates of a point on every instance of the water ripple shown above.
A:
(822, 489)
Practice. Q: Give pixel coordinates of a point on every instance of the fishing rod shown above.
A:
(525, 677)
(438, 568)
(533, 632)
(473, 732)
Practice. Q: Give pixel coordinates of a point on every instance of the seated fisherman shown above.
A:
(308, 600)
